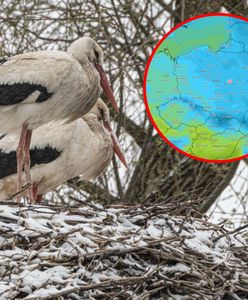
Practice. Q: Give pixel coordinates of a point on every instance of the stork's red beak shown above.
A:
(116, 145)
(106, 86)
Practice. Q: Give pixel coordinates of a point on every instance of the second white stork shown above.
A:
(61, 151)
(38, 87)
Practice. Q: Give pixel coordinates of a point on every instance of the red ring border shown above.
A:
(145, 95)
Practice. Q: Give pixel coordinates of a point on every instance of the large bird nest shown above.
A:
(118, 253)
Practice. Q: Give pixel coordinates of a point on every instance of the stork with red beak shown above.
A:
(38, 87)
(62, 151)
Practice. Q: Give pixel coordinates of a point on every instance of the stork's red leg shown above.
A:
(27, 162)
(19, 158)
(34, 190)
(39, 198)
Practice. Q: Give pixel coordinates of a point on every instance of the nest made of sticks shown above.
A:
(118, 252)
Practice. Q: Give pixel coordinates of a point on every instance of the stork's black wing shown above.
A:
(17, 92)
(2, 60)
(38, 156)
(37, 74)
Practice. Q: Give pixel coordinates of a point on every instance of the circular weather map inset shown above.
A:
(196, 87)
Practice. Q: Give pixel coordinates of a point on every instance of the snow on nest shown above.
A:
(117, 253)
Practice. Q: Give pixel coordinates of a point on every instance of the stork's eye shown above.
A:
(96, 54)
(101, 116)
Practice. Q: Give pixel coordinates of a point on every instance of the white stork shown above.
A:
(38, 87)
(60, 151)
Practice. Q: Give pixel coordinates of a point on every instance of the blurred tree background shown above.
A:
(128, 30)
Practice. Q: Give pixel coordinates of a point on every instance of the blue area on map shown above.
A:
(160, 63)
(203, 64)
(182, 142)
(240, 32)
(245, 149)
